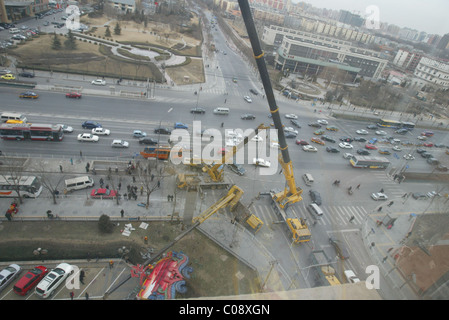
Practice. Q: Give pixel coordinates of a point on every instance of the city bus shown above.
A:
(386, 123)
(28, 131)
(27, 186)
(158, 152)
(369, 162)
(407, 125)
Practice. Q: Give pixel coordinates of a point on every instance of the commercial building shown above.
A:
(406, 60)
(433, 71)
(312, 54)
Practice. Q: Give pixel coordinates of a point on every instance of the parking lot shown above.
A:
(99, 279)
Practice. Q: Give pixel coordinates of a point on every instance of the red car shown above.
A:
(30, 280)
(428, 144)
(370, 147)
(103, 193)
(302, 142)
(75, 95)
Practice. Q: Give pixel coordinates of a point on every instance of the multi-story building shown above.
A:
(15, 10)
(302, 52)
(433, 71)
(407, 60)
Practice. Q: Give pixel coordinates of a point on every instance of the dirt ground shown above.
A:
(216, 272)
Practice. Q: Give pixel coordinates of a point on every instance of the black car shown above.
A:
(26, 74)
(419, 196)
(363, 152)
(332, 149)
(162, 130)
(295, 123)
(254, 92)
(327, 138)
(90, 125)
(340, 248)
(198, 110)
(346, 139)
(248, 116)
(315, 124)
(419, 150)
(426, 155)
(360, 139)
(237, 168)
(315, 196)
(149, 141)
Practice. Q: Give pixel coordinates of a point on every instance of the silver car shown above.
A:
(8, 274)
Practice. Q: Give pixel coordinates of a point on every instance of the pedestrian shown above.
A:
(134, 179)
(358, 186)
(168, 198)
(87, 168)
(384, 259)
(141, 190)
(60, 168)
(71, 161)
(390, 204)
(405, 195)
(380, 209)
(222, 124)
(71, 295)
(101, 182)
(152, 177)
(86, 296)
(81, 154)
(352, 218)
(119, 185)
(111, 264)
(122, 213)
(159, 183)
(82, 276)
(381, 190)
(225, 100)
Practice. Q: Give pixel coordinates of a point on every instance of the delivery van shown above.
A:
(78, 183)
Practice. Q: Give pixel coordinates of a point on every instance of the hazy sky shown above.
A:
(431, 16)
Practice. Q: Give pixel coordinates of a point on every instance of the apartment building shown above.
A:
(312, 54)
(433, 71)
(407, 60)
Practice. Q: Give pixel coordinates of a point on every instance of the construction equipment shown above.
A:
(321, 268)
(291, 193)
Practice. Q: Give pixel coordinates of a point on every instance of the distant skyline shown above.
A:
(431, 16)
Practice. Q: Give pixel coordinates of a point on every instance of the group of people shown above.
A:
(132, 192)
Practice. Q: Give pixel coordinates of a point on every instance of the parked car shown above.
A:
(8, 274)
(317, 140)
(147, 140)
(180, 125)
(370, 146)
(90, 125)
(47, 286)
(119, 144)
(408, 157)
(345, 145)
(103, 193)
(101, 131)
(29, 95)
(314, 124)
(87, 137)
(362, 131)
(332, 150)
(237, 168)
(379, 196)
(332, 128)
(315, 197)
(322, 121)
(162, 130)
(99, 82)
(360, 139)
(198, 110)
(73, 95)
(346, 139)
(139, 134)
(347, 155)
(247, 116)
(309, 148)
(290, 129)
(301, 142)
(30, 280)
(291, 116)
(363, 152)
(289, 135)
(340, 248)
(327, 138)
(318, 132)
(295, 123)
(261, 162)
(384, 151)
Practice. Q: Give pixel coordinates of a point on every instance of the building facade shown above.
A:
(433, 71)
(407, 60)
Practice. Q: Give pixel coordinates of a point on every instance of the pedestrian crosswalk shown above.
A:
(391, 187)
(333, 215)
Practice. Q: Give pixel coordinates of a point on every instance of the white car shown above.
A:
(309, 148)
(291, 116)
(120, 144)
(362, 131)
(379, 196)
(248, 99)
(290, 129)
(351, 277)
(101, 131)
(397, 148)
(322, 121)
(261, 162)
(275, 145)
(257, 138)
(88, 137)
(422, 138)
(8, 274)
(46, 287)
(233, 142)
(381, 133)
(99, 82)
(233, 134)
(66, 128)
(408, 157)
(347, 155)
(345, 145)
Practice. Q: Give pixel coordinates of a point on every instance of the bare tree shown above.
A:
(13, 170)
(49, 180)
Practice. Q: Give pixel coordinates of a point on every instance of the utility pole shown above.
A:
(272, 263)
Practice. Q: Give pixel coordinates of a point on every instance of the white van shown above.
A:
(308, 179)
(78, 183)
(13, 116)
(315, 210)
(221, 110)
(14, 30)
